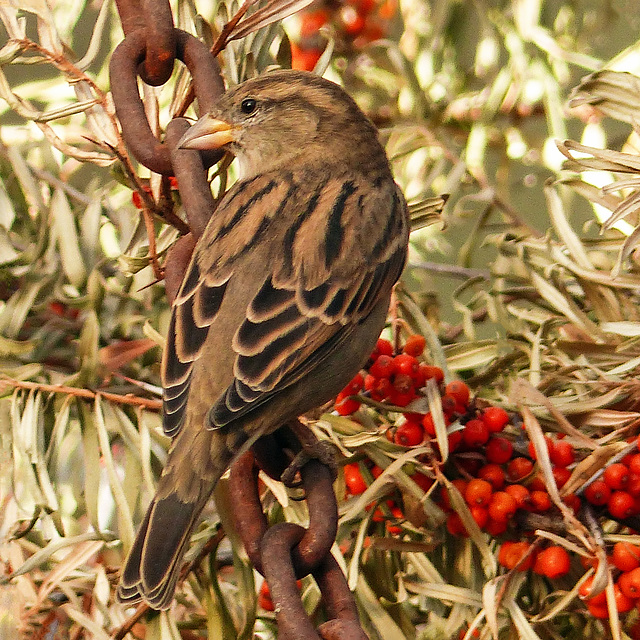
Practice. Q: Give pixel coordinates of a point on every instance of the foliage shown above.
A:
(475, 100)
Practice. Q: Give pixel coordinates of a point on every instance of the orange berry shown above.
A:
(585, 593)
(562, 454)
(264, 597)
(518, 469)
(496, 418)
(480, 515)
(599, 611)
(498, 450)
(540, 501)
(429, 371)
(493, 474)
(475, 433)
(520, 494)
(455, 525)
(625, 556)
(561, 475)
(553, 562)
(623, 603)
(409, 434)
(502, 506)
(458, 390)
(616, 476)
(414, 345)
(621, 505)
(598, 493)
(511, 553)
(353, 479)
(550, 447)
(478, 492)
(629, 583)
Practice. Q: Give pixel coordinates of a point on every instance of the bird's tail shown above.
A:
(195, 463)
(153, 565)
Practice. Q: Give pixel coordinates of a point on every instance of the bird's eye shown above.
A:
(248, 105)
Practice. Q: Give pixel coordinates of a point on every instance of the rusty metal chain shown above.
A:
(286, 551)
(149, 50)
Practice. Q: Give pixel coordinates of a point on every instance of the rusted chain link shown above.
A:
(286, 552)
(154, 19)
(123, 71)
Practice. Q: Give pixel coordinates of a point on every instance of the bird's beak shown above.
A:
(207, 133)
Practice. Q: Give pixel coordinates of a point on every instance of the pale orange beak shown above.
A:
(207, 133)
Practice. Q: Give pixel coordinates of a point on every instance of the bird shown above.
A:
(285, 296)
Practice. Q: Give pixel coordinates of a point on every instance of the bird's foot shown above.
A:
(320, 450)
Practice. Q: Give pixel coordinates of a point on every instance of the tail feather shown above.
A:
(153, 566)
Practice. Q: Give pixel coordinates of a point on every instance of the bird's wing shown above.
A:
(344, 248)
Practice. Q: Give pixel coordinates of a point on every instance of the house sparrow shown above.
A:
(285, 296)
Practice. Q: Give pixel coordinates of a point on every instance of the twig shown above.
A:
(129, 399)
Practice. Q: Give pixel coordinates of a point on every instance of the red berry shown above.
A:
(345, 405)
(493, 474)
(634, 463)
(264, 597)
(621, 505)
(498, 450)
(399, 398)
(460, 485)
(353, 479)
(478, 493)
(496, 418)
(382, 367)
(540, 501)
(403, 383)
(520, 494)
(454, 440)
(561, 475)
(475, 434)
(409, 434)
(616, 476)
(625, 556)
(598, 493)
(629, 583)
(502, 506)
(480, 515)
(459, 390)
(430, 371)
(553, 562)
(562, 454)
(406, 364)
(414, 345)
(511, 553)
(518, 469)
(424, 482)
(455, 526)
(356, 385)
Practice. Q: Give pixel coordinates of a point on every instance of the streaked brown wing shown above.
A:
(344, 248)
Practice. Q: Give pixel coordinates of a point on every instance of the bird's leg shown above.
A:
(308, 448)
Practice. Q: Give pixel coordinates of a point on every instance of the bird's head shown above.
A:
(275, 118)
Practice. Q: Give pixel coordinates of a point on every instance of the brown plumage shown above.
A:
(283, 301)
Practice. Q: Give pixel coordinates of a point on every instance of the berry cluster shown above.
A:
(355, 23)
(493, 467)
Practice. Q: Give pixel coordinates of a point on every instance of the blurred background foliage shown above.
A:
(515, 280)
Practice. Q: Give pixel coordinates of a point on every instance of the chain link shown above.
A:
(286, 552)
